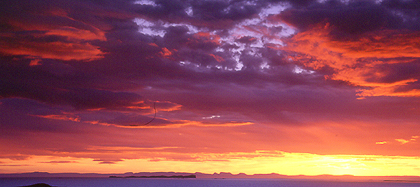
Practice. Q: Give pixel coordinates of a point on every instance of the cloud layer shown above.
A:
(325, 77)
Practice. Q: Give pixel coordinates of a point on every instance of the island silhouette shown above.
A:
(221, 175)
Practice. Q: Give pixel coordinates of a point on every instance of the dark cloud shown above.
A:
(210, 14)
(59, 89)
(407, 11)
(135, 120)
(218, 10)
(392, 73)
(133, 61)
(164, 9)
(296, 2)
(19, 115)
(247, 39)
(102, 161)
(356, 17)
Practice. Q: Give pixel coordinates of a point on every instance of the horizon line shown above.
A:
(201, 174)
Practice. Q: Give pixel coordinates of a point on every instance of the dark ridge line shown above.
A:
(38, 185)
(156, 176)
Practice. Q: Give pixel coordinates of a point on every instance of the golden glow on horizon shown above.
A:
(260, 162)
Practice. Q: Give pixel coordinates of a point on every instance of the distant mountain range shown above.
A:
(222, 175)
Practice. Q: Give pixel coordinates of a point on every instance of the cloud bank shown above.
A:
(297, 76)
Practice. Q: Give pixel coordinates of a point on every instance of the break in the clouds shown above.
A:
(297, 76)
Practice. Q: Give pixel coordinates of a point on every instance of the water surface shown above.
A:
(106, 182)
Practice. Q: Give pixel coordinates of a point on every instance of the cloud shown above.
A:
(120, 44)
(254, 74)
(81, 99)
(101, 161)
(381, 142)
(77, 34)
(52, 33)
(356, 39)
(402, 141)
(143, 122)
(359, 61)
(351, 18)
(62, 50)
(60, 117)
(60, 162)
(14, 165)
(208, 14)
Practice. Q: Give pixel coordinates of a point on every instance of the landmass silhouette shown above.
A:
(221, 175)
(38, 185)
(156, 176)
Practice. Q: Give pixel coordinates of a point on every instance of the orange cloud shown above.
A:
(380, 44)
(355, 58)
(140, 105)
(34, 62)
(165, 52)
(217, 58)
(168, 106)
(153, 44)
(70, 37)
(78, 34)
(60, 117)
(52, 50)
(175, 124)
(159, 105)
(208, 37)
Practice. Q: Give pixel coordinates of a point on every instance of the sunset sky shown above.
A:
(264, 86)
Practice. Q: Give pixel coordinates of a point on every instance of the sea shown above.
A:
(198, 182)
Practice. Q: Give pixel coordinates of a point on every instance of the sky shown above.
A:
(264, 86)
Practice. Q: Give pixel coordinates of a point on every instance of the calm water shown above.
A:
(105, 182)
